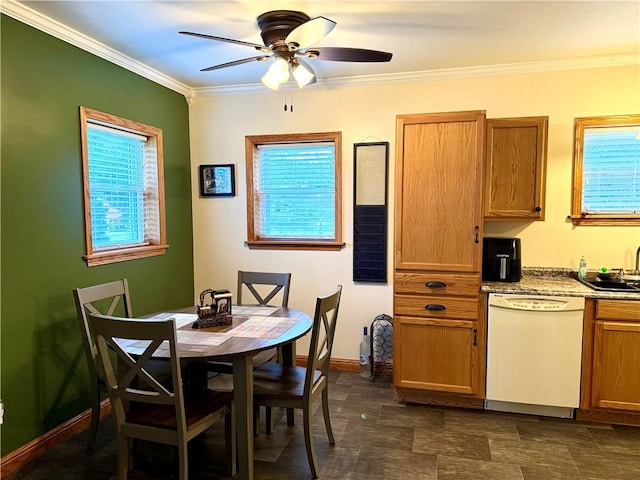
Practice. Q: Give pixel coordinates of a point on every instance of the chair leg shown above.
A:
(268, 419)
(308, 441)
(95, 416)
(123, 457)
(290, 417)
(325, 413)
(256, 420)
(230, 441)
(183, 461)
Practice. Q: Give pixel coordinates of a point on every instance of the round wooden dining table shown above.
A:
(253, 329)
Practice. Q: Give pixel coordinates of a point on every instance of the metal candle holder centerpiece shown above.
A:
(216, 313)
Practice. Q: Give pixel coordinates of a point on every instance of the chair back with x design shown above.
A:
(110, 298)
(322, 334)
(253, 280)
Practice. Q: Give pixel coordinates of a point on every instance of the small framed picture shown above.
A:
(217, 181)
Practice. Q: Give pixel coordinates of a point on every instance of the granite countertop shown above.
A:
(552, 281)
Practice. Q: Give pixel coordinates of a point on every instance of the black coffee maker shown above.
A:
(501, 260)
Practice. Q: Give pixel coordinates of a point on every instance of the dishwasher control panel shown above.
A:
(536, 303)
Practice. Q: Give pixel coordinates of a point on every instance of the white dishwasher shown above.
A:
(534, 351)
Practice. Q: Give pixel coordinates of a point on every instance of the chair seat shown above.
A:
(196, 407)
(276, 380)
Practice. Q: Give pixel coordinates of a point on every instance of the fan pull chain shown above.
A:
(288, 107)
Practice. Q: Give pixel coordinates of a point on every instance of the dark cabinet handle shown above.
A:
(477, 234)
(538, 208)
(434, 307)
(475, 337)
(435, 284)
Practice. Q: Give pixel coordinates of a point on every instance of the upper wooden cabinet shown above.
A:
(515, 168)
(438, 213)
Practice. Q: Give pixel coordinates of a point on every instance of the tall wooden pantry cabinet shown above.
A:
(439, 336)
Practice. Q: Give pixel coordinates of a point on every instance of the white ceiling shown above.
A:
(422, 35)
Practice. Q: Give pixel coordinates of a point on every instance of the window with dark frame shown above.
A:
(123, 184)
(294, 191)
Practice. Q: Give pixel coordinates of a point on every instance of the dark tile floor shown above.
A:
(377, 438)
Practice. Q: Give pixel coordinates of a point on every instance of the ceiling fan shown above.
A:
(288, 38)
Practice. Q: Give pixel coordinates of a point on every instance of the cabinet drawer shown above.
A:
(436, 306)
(437, 283)
(618, 310)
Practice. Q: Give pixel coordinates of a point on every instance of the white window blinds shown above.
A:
(295, 189)
(123, 187)
(611, 170)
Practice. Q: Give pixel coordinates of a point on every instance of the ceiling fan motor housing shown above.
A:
(277, 24)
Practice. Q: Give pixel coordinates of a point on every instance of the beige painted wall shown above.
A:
(220, 123)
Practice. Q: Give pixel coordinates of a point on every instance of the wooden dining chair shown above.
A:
(152, 409)
(277, 385)
(108, 298)
(255, 282)
(264, 287)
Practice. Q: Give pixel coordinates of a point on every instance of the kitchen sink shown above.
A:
(612, 285)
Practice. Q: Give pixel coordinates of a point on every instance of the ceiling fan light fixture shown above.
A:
(269, 82)
(302, 74)
(279, 70)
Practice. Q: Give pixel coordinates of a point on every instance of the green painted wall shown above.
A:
(43, 82)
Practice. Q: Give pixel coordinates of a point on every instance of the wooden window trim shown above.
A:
(577, 217)
(105, 256)
(253, 238)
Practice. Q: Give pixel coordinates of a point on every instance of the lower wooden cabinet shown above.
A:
(439, 343)
(615, 382)
(611, 358)
(438, 355)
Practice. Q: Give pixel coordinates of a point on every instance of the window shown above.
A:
(606, 171)
(294, 191)
(123, 175)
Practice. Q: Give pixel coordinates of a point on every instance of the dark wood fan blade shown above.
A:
(310, 32)
(344, 54)
(228, 40)
(236, 62)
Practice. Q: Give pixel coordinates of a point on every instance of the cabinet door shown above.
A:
(515, 169)
(438, 212)
(437, 355)
(616, 357)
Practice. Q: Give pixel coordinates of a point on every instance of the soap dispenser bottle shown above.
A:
(582, 268)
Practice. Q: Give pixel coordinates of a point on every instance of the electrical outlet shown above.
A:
(1, 412)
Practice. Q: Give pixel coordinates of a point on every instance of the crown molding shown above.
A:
(436, 75)
(56, 29)
(32, 18)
